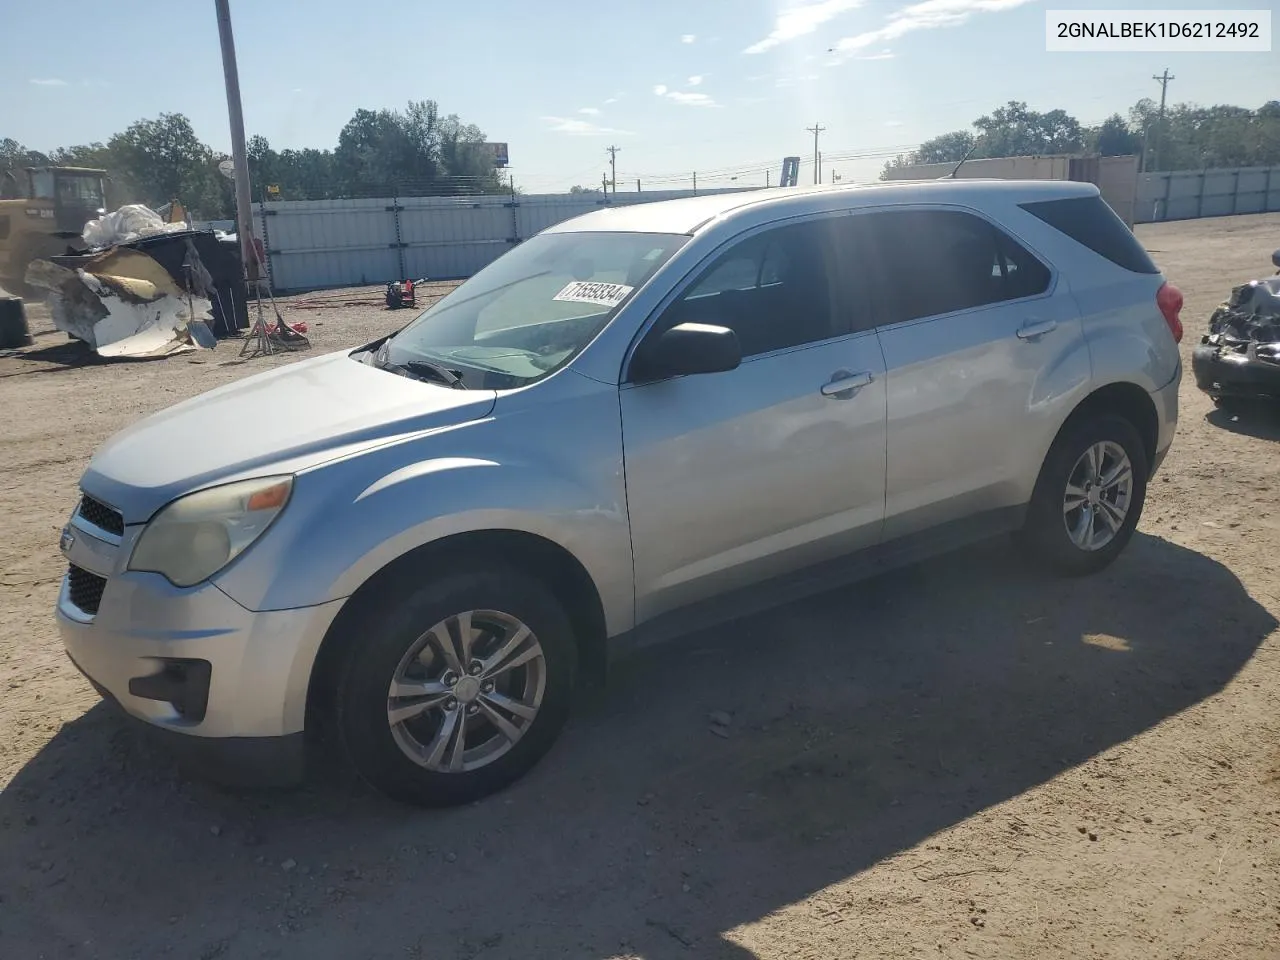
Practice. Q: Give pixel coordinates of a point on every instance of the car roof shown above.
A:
(690, 215)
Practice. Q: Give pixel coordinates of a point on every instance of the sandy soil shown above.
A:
(964, 759)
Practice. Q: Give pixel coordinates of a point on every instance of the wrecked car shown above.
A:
(1239, 358)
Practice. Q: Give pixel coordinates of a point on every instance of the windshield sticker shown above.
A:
(605, 294)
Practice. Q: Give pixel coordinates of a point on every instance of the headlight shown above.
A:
(197, 535)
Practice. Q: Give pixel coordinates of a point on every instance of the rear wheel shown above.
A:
(1089, 496)
(459, 689)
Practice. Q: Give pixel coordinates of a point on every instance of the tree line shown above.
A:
(410, 152)
(1189, 137)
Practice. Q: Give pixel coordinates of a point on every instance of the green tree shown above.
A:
(948, 148)
(166, 160)
(1016, 131)
(1114, 138)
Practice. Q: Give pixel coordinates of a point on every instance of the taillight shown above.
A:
(1169, 300)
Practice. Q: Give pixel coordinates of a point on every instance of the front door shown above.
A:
(736, 477)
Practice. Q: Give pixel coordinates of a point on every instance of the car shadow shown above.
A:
(862, 722)
(1258, 419)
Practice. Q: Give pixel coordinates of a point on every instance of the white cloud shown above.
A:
(297, 90)
(582, 128)
(690, 99)
(688, 38)
(589, 111)
(893, 123)
(801, 17)
(684, 98)
(611, 100)
(928, 15)
(695, 80)
(52, 82)
(882, 55)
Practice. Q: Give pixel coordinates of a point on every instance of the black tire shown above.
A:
(1045, 535)
(388, 636)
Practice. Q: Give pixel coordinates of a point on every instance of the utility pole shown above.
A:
(239, 156)
(1163, 79)
(816, 129)
(613, 166)
(604, 184)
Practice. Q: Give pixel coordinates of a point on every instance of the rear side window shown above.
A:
(931, 262)
(1090, 222)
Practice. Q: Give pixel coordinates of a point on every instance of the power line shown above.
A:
(816, 129)
(1162, 79)
(613, 166)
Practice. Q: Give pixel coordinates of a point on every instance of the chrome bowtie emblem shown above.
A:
(68, 540)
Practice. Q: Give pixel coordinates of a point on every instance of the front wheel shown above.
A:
(458, 688)
(1089, 497)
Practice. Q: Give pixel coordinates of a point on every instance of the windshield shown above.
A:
(80, 190)
(533, 310)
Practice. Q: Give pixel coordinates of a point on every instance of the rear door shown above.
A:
(737, 477)
(973, 325)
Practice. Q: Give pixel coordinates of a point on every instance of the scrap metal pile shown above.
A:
(1240, 355)
(122, 303)
(140, 287)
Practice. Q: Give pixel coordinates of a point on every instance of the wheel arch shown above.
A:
(544, 560)
(1121, 398)
(1124, 399)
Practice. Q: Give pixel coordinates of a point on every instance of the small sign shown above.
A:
(604, 294)
(228, 169)
(273, 190)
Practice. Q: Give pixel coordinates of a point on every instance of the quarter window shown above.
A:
(931, 262)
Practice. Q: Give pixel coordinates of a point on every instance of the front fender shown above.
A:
(523, 472)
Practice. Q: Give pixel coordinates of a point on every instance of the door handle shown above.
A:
(843, 384)
(1036, 328)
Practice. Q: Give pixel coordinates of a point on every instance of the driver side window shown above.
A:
(773, 290)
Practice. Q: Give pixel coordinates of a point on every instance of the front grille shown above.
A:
(84, 589)
(102, 516)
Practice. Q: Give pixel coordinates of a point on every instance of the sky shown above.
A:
(723, 87)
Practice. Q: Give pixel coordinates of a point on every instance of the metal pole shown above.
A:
(239, 156)
(695, 183)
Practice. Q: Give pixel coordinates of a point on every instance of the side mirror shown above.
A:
(1275, 258)
(685, 349)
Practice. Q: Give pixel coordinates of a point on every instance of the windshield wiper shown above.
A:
(431, 369)
(418, 369)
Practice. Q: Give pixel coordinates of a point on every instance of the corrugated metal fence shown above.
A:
(312, 244)
(1188, 194)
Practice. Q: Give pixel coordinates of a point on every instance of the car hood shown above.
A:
(282, 420)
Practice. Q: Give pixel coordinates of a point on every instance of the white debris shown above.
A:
(126, 225)
(122, 303)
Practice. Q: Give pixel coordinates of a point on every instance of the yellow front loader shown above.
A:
(42, 210)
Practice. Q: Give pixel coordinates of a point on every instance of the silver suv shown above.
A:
(632, 425)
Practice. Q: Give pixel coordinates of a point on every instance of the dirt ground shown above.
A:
(963, 759)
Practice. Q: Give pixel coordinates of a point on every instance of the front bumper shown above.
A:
(221, 680)
(1222, 373)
